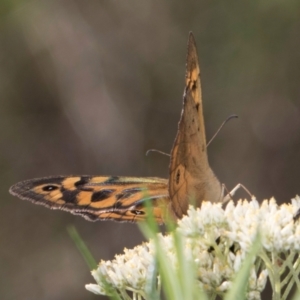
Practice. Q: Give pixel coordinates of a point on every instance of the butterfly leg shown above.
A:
(232, 192)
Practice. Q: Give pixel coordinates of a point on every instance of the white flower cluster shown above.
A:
(217, 241)
(129, 271)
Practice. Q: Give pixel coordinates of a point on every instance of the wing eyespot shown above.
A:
(50, 188)
(138, 212)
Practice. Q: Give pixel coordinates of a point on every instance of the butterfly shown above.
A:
(124, 198)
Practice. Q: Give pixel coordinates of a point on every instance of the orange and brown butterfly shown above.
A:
(123, 198)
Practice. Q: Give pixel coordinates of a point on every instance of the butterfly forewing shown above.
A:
(191, 178)
(97, 197)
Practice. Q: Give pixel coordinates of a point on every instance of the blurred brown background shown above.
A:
(86, 87)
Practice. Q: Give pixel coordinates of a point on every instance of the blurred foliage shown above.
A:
(86, 87)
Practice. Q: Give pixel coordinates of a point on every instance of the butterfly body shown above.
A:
(191, 179)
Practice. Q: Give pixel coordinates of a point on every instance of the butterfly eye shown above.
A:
(49, 188)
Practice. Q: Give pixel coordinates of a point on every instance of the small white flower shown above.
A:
(253, 295)
(262, 280)
(225, 286)
(96, 289)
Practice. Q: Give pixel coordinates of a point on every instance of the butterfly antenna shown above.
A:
(222, 125)
(158, 151)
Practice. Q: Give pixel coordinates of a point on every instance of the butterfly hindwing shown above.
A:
(191, 178)
(97, 197)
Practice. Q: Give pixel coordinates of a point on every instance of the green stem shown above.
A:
(292, 277)
(264, 256)
(277, 285)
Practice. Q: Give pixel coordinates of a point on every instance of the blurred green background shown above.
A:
(86, 87)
